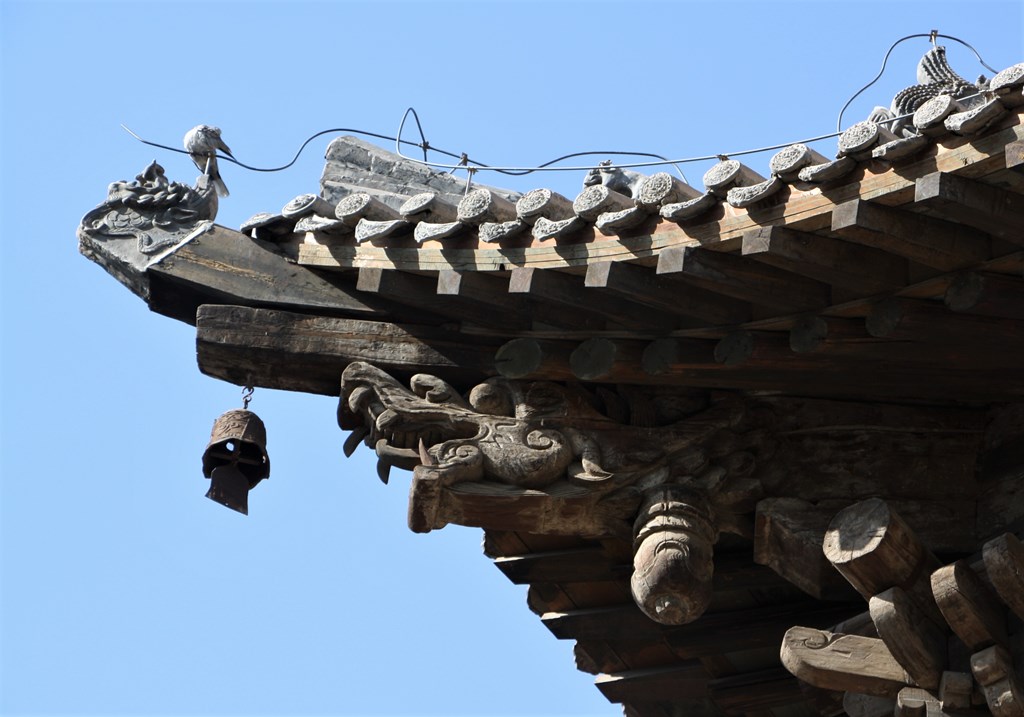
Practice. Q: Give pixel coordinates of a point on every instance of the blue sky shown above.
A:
(123, 591)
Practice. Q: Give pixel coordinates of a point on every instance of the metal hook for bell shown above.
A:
(236, 459)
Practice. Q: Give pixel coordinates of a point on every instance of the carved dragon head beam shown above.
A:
(540, 457)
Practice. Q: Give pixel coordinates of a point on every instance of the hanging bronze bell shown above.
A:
(236, 459)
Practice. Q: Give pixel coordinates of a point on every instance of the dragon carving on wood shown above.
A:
(541, 457)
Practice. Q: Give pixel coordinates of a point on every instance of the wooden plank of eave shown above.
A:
(853, 267)
(710, 634)
(543, 598)
(665, 293)
(750, 691)
(558, 566)
(972, 203)
(302, 352)
(768, 289)
(419, 293)
(732, 572)
(568, 290)
(682, 681)
(934, 243)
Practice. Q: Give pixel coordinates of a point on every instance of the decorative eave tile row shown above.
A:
(486, 217)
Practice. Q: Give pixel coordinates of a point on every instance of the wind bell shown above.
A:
(236, 459)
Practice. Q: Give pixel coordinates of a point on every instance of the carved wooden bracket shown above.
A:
(926, 619)
(539, 457)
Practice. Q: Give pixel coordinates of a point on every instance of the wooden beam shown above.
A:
(299, 352)
(760, 690)
(564, 566)
(492, 290)
(600, 358)
(659, 291)
(733, 572)
(993, 669)
(1004, 565)
(224, 266)
(420, 292)
(713, 633)
(568, 290)
(825, 333)
(971, 203)
(919, 238)
(914, 640)
(847, 663)
(992, 295)
(874, 549)
(534, 358)
(854, 267)
(969, 606)
(744, 279)
(930, 322)
(787, 538)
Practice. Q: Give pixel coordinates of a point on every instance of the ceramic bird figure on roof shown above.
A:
(202, 143)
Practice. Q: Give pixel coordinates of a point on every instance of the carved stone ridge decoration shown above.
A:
(541, 457)
(934, 78)
(151, 209)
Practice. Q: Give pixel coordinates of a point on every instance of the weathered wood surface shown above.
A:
(988, 295)
(969, 606)
(857, 268)
(917, 643)
(687, 680)
(661, 292)
(714, 633)
(875, 549)
(420, 292)
(993, 669)
(860, 705)
(743, 279)
(567, 290)
(526, 357)
(917, 237)
(760, 690)
(848, 663)
(1004, 565)
(787, 538)
(299, 352)
(228, 267)
(972, 203)
(955, 690)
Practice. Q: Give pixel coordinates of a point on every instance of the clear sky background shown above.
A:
(123, 591)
